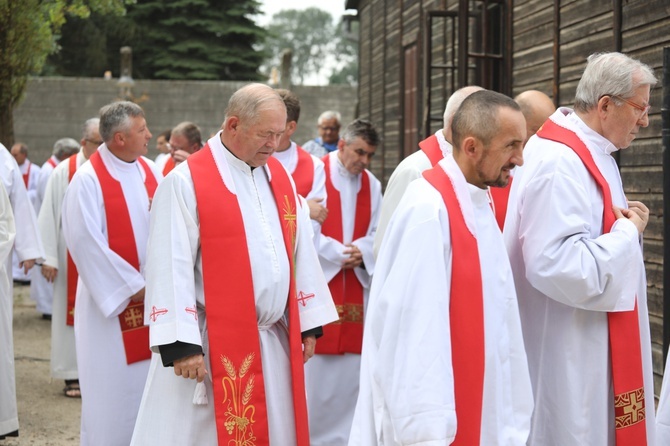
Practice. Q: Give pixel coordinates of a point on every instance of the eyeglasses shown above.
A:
(97, 143)
(643, 108)
(329, 129)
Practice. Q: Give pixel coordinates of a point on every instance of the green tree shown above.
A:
(346, 54)
(308, 33)
(27, 30)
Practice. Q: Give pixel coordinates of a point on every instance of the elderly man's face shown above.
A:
(621, 123)
(18, 155)
(256, 141)
(329, 130)
(504, 151)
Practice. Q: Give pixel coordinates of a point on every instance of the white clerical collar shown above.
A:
(341, 169)
(592, 138)
(463, 191)
(445, 147)
(235, 162)
(287, 157)
(117, 164)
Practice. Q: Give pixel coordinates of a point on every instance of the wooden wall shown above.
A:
(551, 40)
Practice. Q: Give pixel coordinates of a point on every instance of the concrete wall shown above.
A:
(54, 108)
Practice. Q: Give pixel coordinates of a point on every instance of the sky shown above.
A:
(270, 7)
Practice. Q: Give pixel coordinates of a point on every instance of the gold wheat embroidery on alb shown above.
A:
(239, 413)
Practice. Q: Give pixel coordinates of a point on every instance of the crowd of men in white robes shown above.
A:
(495, 295)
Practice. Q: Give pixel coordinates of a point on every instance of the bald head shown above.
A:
(536, 108)
(455, 101)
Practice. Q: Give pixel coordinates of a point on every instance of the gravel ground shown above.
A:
(46, 416)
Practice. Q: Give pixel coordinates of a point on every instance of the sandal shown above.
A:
(72, 389)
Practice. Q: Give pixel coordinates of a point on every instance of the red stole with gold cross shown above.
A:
(72, 275)
(624, 328)
(431, 147)
(345, 335)
(239, 390)
(466, 315)
(303, 175)
(121, 240)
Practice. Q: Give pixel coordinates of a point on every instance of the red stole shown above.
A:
(500, 197)
(466, 316)
(72, 275)
(26, 176)
(303, 175)
(169, 165)
(624, 328)
(239, 390)
(431, 147)
(122, 241)
(52, 162)
(345, 335)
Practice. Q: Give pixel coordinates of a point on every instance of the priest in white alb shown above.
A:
(41, 290)
(234, 291)
(574, 241)
(58, 268)
(443, 358)
(345, 254)
(431, 151)
(105, 219)
(306, 169)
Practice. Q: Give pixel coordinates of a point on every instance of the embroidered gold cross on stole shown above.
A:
(290, 219)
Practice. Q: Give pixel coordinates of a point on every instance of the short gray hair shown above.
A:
(90, 125)
(455, 101)
(330, 114)
(363, 129)
(611, 74)
(478, 116)
(190, 131)
(116, 116)
(65, 147)
(246, 102)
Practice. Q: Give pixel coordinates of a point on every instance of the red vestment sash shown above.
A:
(241, 412)
(303, 175)
(624, 328)
(26, 176)
(121, 240)
(431, 147)
(72, 275)
(52, 162)
(169, 165)
(500, 197)
(345, 335)
(466, 315)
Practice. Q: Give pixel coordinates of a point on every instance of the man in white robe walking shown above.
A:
(105, 219)
(28, 249)
(345, 254)
(443, 358)
(41, 291)
(55, 267)
(574, 242)
(228, 331)
(431, 150)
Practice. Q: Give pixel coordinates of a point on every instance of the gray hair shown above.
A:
(363, 129)
(116, 116)
(478, 116)
(455, 101)
(89, 127)
(330, 114)
(189, 131)
(611, 74)
(65, 147)
(246, 102)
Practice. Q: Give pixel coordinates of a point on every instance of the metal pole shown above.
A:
(665, 136)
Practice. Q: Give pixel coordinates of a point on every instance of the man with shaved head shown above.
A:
(235, 294)
(536, 108)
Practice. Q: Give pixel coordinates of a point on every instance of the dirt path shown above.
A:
(46, 417)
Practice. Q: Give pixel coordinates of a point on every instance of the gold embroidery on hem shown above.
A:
(629, 408)
(239, 414)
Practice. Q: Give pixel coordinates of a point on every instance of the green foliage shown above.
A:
(171, 39)
(27, 36)
(308, 33)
